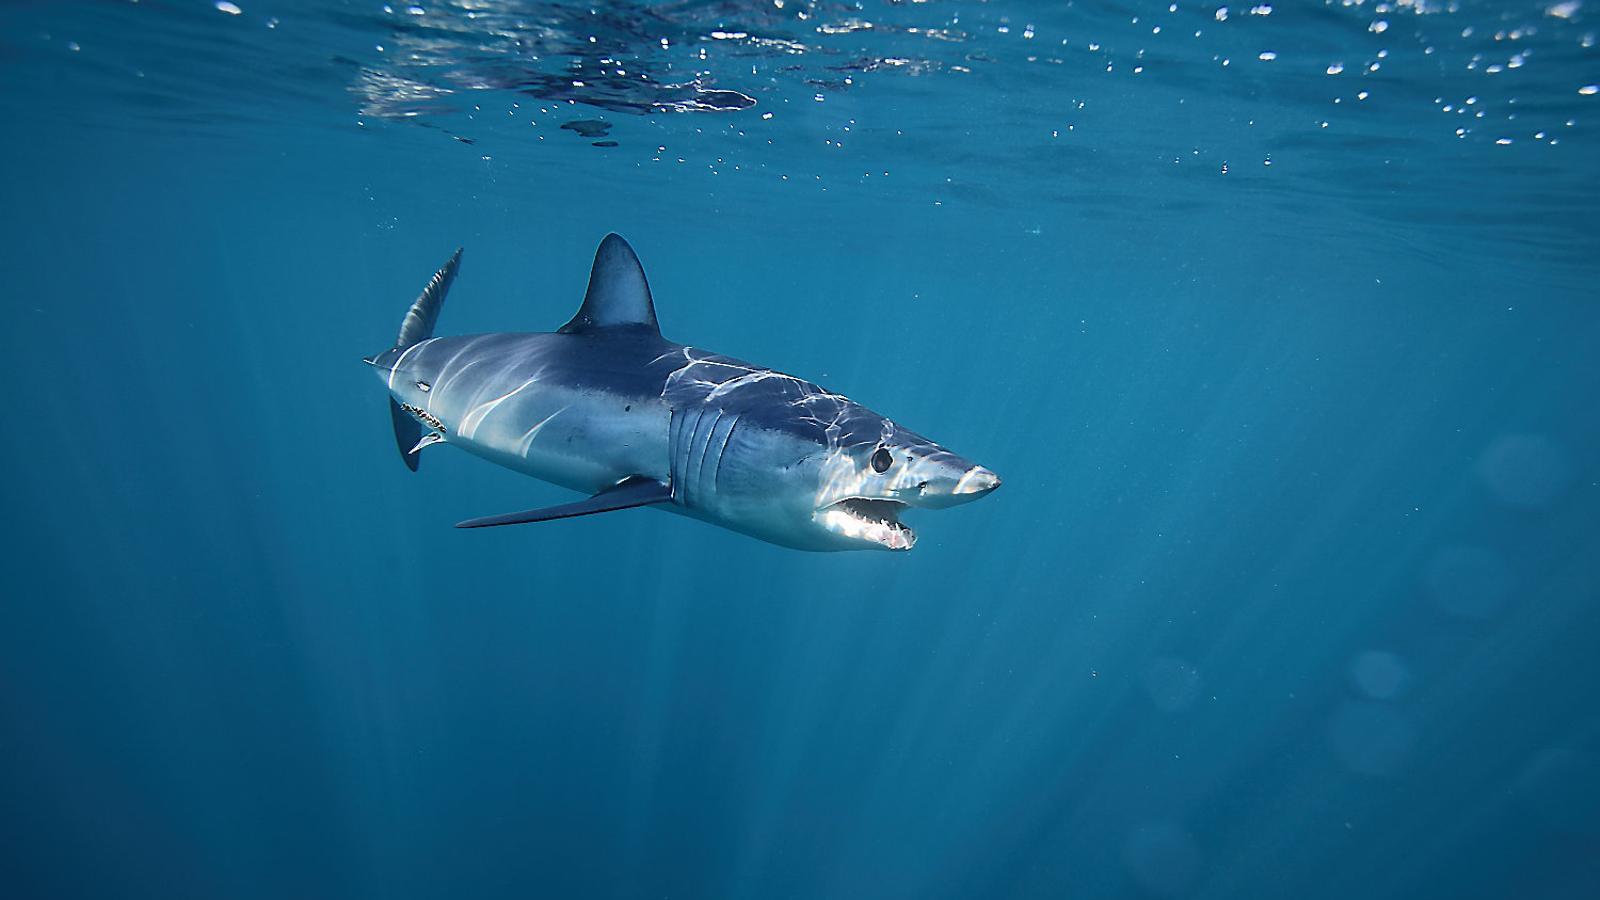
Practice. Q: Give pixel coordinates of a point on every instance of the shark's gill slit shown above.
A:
(681, 456)
(700, 484)
(727, 437)
(697, 450)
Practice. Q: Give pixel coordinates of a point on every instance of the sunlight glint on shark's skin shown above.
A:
(609, 407)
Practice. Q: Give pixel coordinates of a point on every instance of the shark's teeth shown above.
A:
(866, 519)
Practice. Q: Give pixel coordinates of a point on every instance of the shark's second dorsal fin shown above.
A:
(618, 294)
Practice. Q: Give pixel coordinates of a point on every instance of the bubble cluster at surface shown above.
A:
(1077, 102)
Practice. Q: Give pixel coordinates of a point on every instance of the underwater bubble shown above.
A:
(1171, 684)
(1370, 738)
(1472, 582)
(1526, 470)
(1559, 788)
(1162, 858)
(1379, 675)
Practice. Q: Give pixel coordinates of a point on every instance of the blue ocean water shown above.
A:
(1278, 321)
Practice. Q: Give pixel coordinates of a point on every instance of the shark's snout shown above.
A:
(948, 480)
(976, 482)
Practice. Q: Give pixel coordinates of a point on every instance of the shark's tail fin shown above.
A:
(415, 328)
(419, 321)
(407, 434)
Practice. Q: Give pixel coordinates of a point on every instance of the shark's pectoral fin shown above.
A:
(635, 490)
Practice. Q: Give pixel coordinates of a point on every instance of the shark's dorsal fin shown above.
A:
(618, 294)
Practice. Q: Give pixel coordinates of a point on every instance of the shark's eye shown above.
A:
(882, 459)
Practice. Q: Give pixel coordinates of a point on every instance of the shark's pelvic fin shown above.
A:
(428, 440)
(424, 313)
(635, 490)
(618, 293)
(407, 433)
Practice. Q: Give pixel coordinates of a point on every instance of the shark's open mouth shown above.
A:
(876, 521)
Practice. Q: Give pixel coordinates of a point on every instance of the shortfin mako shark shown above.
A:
(609, 407)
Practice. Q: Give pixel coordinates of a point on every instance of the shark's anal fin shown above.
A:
(635, 490)
(407, 433)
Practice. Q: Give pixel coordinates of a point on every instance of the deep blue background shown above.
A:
(1291, 589)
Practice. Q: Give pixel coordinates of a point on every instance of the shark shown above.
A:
(608, 407)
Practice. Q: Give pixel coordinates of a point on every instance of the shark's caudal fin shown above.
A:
(618, 295)
(416, 327)
(424, 313)
(407, 433)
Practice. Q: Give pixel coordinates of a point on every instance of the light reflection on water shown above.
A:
(1350, 102)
